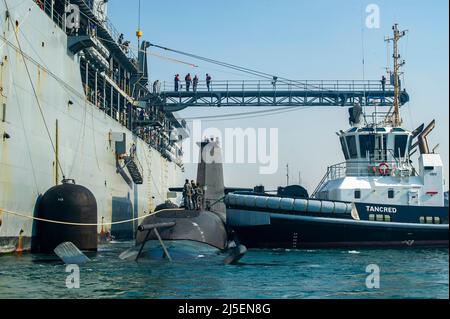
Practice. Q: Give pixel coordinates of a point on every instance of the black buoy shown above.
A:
(70, 203)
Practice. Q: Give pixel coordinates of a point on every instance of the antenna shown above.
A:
(396, 118)
(287, 174)
(363, 53)
(139, 32)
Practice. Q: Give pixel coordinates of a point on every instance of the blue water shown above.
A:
(404, 273)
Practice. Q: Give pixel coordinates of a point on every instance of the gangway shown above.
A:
(275, 94)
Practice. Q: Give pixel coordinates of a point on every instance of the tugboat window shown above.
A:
(400, 145)
(357, 194)
(352, 149)
(366, 144)
(391, 193)
(344, 148)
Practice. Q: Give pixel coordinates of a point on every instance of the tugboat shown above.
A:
(375, 198)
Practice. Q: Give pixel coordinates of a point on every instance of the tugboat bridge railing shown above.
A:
(357, 169)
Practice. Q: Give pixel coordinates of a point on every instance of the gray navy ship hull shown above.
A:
(84, 132)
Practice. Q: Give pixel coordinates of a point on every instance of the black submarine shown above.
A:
(174, 232)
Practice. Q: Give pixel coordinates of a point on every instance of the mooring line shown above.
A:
(82, 224)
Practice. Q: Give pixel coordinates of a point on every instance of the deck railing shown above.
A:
(270, 85)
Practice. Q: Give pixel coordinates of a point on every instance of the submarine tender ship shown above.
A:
(71, 93)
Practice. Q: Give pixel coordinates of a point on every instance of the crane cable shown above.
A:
(264, 75)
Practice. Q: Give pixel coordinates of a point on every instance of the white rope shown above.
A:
(82, 224)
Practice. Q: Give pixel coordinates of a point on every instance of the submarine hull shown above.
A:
(202, 228)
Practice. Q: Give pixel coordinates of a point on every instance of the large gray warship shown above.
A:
(71, 93)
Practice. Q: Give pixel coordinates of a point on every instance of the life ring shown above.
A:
(384, 169)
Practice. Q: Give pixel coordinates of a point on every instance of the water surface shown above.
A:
(405, 273)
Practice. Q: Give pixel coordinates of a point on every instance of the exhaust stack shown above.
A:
(422, 139)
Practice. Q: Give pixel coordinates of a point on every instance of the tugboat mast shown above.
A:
(396, 118)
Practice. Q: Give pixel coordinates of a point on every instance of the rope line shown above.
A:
(82, 224)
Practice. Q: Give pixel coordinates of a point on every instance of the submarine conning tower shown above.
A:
(210, 175)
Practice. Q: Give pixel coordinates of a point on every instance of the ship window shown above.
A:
(387, 218)
(391, 193)
(380, 129)
(344, 148)
(400, 145)
(366, 144)
(352, 130)
(397, 129)
(372, 217)
(357, 194)
(351, 143)
(430, 220)
(380, 218)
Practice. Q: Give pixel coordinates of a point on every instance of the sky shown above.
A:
(313, 40)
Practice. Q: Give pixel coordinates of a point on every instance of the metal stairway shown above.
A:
(135, 169)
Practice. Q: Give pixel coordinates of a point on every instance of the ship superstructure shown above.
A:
(378, 165)
(71, 89)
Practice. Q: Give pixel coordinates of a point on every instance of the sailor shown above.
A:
(195, 83)
(126, 46)
(156, 86)
(208, 81)
(187, 195)
(133, 151)
(177, 82)
(194, 195)
(383, 83)
(120, 40)
(274, 82)
(188, 80)
(199, 196)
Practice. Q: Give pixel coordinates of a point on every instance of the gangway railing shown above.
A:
(274, 93)
(270, 85)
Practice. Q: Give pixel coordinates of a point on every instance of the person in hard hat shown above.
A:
(177, 82)
(188, 81)
(383, 83)
(195, 83)
(208, 82)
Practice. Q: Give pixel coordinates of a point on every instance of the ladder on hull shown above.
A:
(135, 169)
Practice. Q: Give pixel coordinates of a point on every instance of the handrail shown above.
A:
(294, 85)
